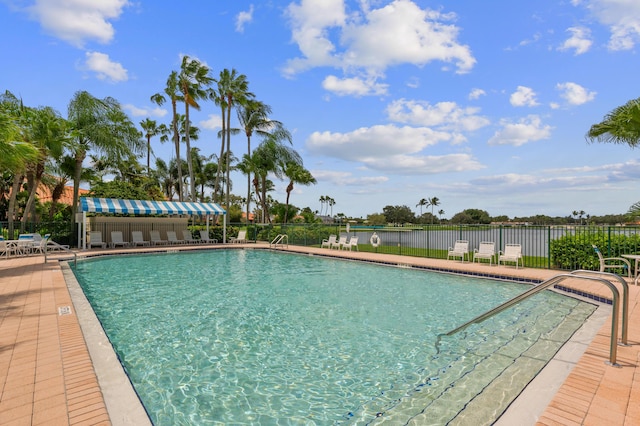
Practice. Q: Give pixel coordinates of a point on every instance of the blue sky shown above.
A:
(481, 104)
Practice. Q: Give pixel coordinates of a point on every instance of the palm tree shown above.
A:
(193, 80)
(433, 202)
(151, 129)
(232, 89)
(620, 126)
(99, 125)
(331, 202)
(440, 213)
(421, 203)
(296, 174)
(48, 133)
(172, 92)
(254, 117)
(322, 200)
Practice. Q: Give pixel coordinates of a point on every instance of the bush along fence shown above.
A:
(550, 247)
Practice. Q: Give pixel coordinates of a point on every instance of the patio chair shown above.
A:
(511, 253)
(241, 238)
(327, 243)
(95, 239)
(138, 240)
(173, 239)
(486, 250)
(204, 237)
(338, 244)
(117, 240)
(612, 262)
(188, 237)
(155, 238)
(460, 249)
(7, 248)
(353, 242)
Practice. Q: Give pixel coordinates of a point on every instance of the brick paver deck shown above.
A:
(47, 375)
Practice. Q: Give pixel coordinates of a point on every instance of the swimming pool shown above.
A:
(255, 337)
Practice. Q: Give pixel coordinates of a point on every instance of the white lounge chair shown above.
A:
(486, 250)
(7, 248)
(138, 240)
(327, 243)
(95, 239)
(338, 244)
(204, 237)
(511, 253)
(188, 237)
(460, 249)
(353, 242)
(117, 240)
(241, 238)
(612, 262)
(155, 238)
(173, 239)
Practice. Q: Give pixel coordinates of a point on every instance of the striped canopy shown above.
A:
(147, 207)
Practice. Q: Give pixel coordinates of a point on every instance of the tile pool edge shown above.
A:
(122, 401)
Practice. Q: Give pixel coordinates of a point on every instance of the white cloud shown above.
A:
(372, 40)
(580, 40)
(443, 115)
(528, 129)
(213, 122)
(621, 16)
(79, 20)
(353, 86)
(575, 94)
(145, 112)
(523, 96)
(104, 67)
(476, 93)
(340, 178)
(243, 18)
(392, 149)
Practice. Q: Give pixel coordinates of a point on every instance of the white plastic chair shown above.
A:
(155, 238)
(612, 262)
(204, 237)
(486, 250)
(327, 243)
(511, 253)
(117, 239)
(353, 242)
(188, 237)
(138, 240)
(95, 239)
(460, 249)
(241, 238)
(173, 239)
(338, 244)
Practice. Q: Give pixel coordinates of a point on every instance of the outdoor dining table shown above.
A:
(635, 257)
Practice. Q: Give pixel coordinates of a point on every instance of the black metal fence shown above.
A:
(556, 247)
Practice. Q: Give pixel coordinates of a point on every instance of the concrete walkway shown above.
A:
(48, 376)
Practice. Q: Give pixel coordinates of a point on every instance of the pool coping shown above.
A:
(526, 408)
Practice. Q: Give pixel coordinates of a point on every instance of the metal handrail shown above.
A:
(613, 349)
(61, 247)
(279, 239)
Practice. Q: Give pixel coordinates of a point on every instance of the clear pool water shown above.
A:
(256, 337)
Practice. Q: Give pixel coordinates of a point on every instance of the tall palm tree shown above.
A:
(421, 203)
(620, 126)
(194, 79)
(101, 126)
(433, 202)
(172, 92)
(440, 213)
(296, 174)
(254, 117)
(150, 129)
(232, 90)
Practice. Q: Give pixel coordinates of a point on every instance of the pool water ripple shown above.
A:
(254, 337)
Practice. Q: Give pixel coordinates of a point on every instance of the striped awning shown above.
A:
(147, 207)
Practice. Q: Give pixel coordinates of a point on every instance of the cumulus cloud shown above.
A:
(575, 94)
(213, 122)
(353, 86)
(370, 40)
(145, 112)
(580, 40)
(527, 129)
(523, 96)
(476, 93)
(621, 16)
(79, 20)
(392, 149)
(243, 18)
(341, 178)
(104, 67)
(443, 115)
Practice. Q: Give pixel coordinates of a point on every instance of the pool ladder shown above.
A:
(282, 239)
(602, 277)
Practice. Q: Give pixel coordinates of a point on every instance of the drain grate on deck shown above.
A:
(64, 310)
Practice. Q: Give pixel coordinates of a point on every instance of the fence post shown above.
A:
(549, 247)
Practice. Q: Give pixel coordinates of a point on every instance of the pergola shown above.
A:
(146, 207)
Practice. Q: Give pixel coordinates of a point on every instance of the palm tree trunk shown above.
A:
(192, 182)
(176, 140)
(18, 178)
(228, 159)
(218, 194)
